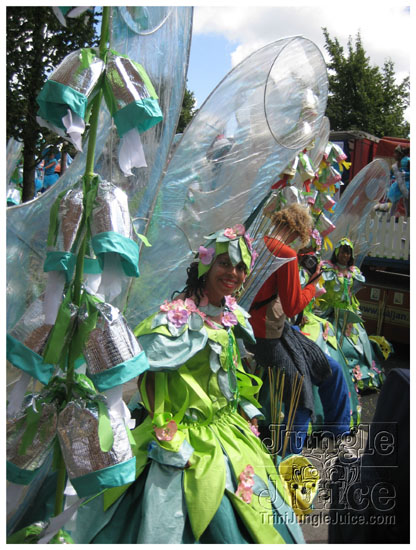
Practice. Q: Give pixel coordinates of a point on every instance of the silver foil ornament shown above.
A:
(111, 342)
(70, 213)
(79, 440)
(80, 70)
(111, 211)
(31, 329)
(125, 81)
(38, 450)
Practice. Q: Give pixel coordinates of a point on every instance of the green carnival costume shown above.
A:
(341, 307)
(202, 474)
(322, 332)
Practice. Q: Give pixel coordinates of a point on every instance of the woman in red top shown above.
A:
(281, 346)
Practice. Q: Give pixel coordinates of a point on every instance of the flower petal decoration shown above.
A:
(166, 433)
(206, 254)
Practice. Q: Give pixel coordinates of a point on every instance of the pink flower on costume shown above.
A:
(248, 240)
(230, 302)
(239, 229)
(178, 317)
(254, 429)
(165, 306)
(206, 254)
(245, 493)
(229, 319)
(166, 433)
(190, 306)
(229, 233)
(254, 256)
(357, 372)
(245, 487)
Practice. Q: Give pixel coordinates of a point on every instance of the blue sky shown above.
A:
(224, 35)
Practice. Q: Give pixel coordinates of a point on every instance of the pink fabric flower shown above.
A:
(230, 302)
(178, 317)
(229, 233)
(206, 254)
(254, 429)
(247, 473)
(245, 487)
(229, 319)
(245, 493)
(191, 306)
(239, 229)
(357, 372)
(166, 433)
(165, 306)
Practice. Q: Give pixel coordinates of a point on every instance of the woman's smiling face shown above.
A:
(223, 278)
(344, 255)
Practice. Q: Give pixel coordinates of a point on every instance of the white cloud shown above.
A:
(384, 29)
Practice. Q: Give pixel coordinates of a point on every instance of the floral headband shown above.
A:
(344, 242)
(232, 240)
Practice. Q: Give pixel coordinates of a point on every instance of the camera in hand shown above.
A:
(309, 262)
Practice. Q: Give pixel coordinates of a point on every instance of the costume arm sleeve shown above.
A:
(293, 297)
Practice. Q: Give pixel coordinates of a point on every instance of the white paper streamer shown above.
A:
(131, 154)
(53, 296)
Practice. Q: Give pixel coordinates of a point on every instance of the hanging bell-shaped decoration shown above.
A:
(30, 436)
(95, 446)
(112, 353)
(64, 97)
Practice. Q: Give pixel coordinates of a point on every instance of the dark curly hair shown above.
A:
(194, 285)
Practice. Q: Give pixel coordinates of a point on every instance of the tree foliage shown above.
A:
(187, 111)
(362, 96)
(36, 43)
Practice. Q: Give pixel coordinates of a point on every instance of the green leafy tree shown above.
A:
(362, 96)
(187, 112)
(36, 44)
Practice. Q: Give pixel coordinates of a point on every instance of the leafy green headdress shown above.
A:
(232, 240)
(344, 242)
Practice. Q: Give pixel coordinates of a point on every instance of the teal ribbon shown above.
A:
(127, 249)
(55, 99)
(120, 374)
(27, 360)
(113, 476)
(17, 475)
(141, 114)
(60, 261)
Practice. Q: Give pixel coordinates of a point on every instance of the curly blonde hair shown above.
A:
(296, 217)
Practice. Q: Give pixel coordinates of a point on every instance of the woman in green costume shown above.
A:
(203, 475)
(321, 331)
(340, 305)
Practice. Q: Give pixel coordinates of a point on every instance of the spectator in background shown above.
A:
(51, 176)
(399, 192)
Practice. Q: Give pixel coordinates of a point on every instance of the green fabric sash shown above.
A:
(27, 360)
(110, 241)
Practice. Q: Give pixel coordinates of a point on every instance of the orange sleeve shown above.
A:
(293, 297)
